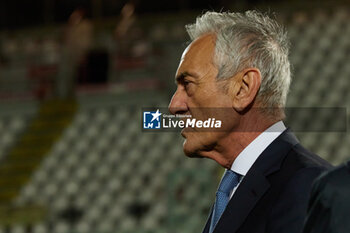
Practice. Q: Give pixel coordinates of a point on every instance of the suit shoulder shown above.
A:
(337, 176)
(308, 159)
(299, 170)
(329, 202)
(307, 166)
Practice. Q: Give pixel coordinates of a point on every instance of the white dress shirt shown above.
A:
(249, 155)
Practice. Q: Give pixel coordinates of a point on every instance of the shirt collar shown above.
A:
(247, 157)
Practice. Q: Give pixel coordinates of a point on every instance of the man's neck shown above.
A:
(229, 147)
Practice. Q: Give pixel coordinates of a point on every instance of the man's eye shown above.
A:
(186, 82)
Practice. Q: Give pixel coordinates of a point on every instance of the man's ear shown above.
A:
(245, 88)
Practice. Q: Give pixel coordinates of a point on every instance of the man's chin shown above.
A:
(190, 150)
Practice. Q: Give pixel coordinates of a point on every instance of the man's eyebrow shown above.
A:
(181, 76)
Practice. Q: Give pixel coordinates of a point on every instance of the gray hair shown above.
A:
(249, 39)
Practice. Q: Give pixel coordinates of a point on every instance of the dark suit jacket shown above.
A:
(329, 206)
(273, 196)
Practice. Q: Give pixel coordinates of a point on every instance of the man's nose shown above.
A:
(178, 103)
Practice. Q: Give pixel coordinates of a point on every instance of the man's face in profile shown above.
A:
(199, 94)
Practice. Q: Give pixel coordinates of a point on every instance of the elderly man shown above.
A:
(238, 62)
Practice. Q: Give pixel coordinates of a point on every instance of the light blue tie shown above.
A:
(228, 182)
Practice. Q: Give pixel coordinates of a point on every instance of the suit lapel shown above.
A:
(245, 198)
(254, 184)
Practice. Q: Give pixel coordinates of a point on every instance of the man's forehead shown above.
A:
(197, 56)
(185, 52)
(202, 45)
(182, 60)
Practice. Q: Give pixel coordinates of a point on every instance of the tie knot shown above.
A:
(228, 182)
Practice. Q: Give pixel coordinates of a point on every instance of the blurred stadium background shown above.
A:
(74, 76)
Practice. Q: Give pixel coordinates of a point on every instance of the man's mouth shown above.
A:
(183, 133)
(186, 130)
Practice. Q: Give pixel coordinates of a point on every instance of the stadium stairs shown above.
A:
(15, 171)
